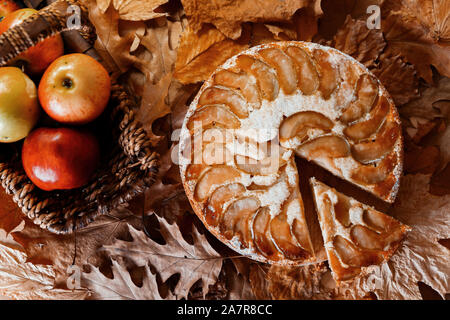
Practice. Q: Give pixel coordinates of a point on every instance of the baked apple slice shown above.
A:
(284, 66)
(300, 123)
(265, 76)
(217, 116)
(240, 81)
(307, 76)
(227, 97)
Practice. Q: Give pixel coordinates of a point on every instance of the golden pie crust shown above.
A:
(258, 111)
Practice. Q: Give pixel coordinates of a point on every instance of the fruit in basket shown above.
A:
(36, 59)
(7, 6)
(19, 109)
(60, 158)
(74, 89)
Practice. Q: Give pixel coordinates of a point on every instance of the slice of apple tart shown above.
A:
(258, 111)
(356, 236)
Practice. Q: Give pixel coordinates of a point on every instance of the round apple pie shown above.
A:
(255, 114)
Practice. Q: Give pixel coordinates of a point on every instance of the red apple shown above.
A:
(7, 6)
(60, 159)
(36, 59)
(74, 89)
(19, 109)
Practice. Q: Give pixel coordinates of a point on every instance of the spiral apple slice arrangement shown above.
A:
(285, 99)
(73, 91)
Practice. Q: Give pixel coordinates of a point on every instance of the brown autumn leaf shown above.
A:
(121, 286)
(193, 262)
(306, 22)
(113, 44)
(10, 214)
(399, 77)
(238, 284)
(23, 280)
(201, 53)
(135, 10)
(194, 43)
(228, 16)
(432, 14)
(80, 248)
(356, 40)
(419, 31)
(426, 106)
(421, 257)
(335, 14)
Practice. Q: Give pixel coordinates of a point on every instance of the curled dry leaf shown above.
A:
(419, 31)
(121, 286)
(135, 10)
(228, 16)
(193, 262)
(201, 53)
(356, 40)
(421, 257)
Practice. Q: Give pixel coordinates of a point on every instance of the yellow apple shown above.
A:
(19, 109)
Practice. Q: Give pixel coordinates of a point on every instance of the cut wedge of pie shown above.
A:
(356, 236)
(255, 114)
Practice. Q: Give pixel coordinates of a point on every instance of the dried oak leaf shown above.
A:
(134, 10)
(426, 106)
(421, 258)
(421, 44)
(80, 248)
(193, 262)
(399, 77)
(228, 15)
(121, 286)
(115, 38)
(335, 14)
(201, 53)
(432, 14)
(237, 282)
(356, 40)
(156, 61)
(24, 280)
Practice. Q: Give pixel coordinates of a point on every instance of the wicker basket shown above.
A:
(128, 163)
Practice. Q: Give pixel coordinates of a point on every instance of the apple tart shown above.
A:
(255, 114)
(356, 236)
